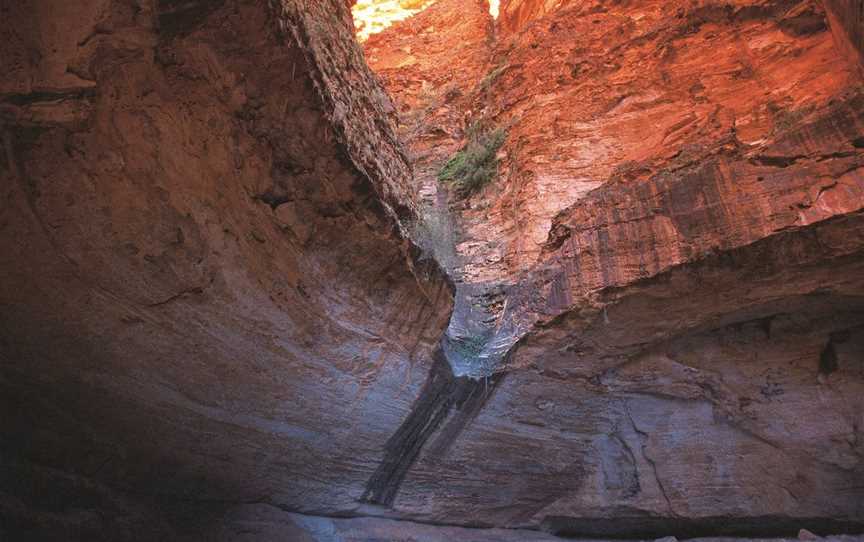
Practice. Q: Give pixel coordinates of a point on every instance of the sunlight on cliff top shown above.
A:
(373, 16)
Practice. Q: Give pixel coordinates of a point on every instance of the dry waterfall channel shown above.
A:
(431, 271)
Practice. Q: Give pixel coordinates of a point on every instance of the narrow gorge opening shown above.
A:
(374, 16)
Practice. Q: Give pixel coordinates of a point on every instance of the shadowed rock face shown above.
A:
(222, 318)
(847, 23)
(207, 293)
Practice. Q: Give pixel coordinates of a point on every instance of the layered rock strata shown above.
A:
(208, 294)
(671, 251)
(222, 316)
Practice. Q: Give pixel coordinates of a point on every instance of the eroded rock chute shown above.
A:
(614, 234)
(620, 295)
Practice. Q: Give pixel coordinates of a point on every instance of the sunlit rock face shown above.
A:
(373, 16)
(516, 13)
(672, 246)
(234, 292)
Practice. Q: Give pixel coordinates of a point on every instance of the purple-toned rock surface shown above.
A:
(234, 293)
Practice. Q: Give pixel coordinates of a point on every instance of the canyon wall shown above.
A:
(847, 22)
(228, 268)
(208, 295)
(673, 247)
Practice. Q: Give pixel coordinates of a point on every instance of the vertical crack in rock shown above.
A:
(468, 366)
(489, 317)
(650, 460)
(828, 359)
(441, 394)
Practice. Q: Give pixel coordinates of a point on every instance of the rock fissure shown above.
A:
(587, 269)
(643, 436)
(445, 405)
(48, 96)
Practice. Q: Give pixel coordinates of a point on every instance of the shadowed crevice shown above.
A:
(650, 527)
(441, 395)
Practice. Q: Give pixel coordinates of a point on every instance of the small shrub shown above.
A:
(476, 164)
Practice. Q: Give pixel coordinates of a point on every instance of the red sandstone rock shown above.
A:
(212, 317)
(847, 24)
(676, 180)
(170, 331)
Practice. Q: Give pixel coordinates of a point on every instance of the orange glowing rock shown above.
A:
(373, 16)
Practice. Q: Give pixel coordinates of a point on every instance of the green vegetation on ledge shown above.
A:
(476, 164)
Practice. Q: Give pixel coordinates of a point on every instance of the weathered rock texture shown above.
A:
(847, 23)
(214, 324)
(675, 242)
(206, 293)
(259, 523)
(373, 16)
